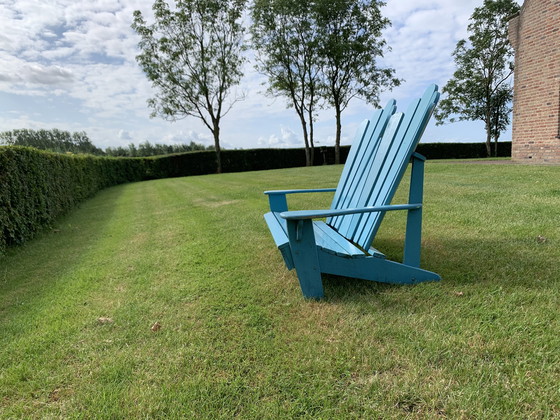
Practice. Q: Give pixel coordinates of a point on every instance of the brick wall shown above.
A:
(535, 35)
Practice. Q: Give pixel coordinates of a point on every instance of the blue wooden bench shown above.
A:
(341, 244)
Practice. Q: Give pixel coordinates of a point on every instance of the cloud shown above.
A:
(286, 139)
(423, 36)
(124, 135)
(52, 75)
(185, 137)
(82, 52)
(19, 75)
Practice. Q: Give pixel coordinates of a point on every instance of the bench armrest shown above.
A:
(283, 192)
(278, 202)
(318, 214)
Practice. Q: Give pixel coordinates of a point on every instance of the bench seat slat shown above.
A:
(326, 238)
(331, 241)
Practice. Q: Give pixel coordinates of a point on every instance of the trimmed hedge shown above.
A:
(461, 150)
(201, 163)
(36, 187)
(204, 162)
(325, 155)
(244, 160)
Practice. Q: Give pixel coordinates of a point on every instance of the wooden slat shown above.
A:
(280, 236)
(410, 132)
(277, 229)
(372, 178)
(383, 169)
(351, 178)
(359, 159)
(355, 156)
(357, 144)
(357, 179)
(318, 214)
(332, 241)
(326, 237)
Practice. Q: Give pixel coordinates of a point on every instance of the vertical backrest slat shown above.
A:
(372, 179)
(359, 160)
(387, 175)
(356, 177)
(408, 137)
(370, 176)
(355, 157)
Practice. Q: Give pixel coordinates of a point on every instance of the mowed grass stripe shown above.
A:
(237, 339)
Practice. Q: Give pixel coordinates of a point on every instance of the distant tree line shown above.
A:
(54, 140)
(60, 141)
(148, 149)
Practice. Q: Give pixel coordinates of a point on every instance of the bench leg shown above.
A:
(413, 238)
(306, 260)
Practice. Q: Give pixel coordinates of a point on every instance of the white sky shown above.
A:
(70, 64)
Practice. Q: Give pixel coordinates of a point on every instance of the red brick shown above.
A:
(536, 100)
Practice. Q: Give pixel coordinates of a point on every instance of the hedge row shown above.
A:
(36, 187)
(461, 150)
(200, 163)
(204, 162)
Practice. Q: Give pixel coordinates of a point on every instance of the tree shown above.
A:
(284, 35)
(350, 39)
(480, 88)
(193, 57)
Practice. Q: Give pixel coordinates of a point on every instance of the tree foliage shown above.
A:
(37, 187)
(480, 88)
(351, 41)
(192, 54)
(146, 149)
(54, 140)
(59, 141)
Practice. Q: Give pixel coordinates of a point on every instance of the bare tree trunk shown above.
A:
(488, 145)
(216, 132)
(338, 134)
(488, 138)
(311, 143)
(308, 150)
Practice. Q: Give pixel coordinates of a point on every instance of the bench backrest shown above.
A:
(376, 164)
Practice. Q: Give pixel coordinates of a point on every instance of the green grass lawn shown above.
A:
(236, 338)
